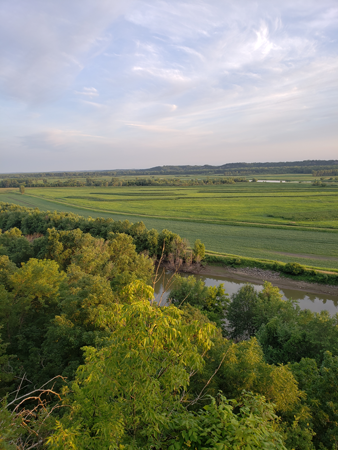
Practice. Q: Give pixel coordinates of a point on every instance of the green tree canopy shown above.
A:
(212, 301)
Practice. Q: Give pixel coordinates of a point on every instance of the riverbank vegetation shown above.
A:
(291, 270)
(89, 360)
(286, 222)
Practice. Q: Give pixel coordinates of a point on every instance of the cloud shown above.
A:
(96, 105)
(88, 92)
(196, 75)
(152, 128)
(56, 140)
(170, 75)
(49, 43)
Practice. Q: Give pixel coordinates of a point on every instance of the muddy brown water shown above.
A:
(315, 302)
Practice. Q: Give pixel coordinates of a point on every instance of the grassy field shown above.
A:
(261, 203)
(279, 221)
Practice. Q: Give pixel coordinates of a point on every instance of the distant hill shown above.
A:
(316, 167)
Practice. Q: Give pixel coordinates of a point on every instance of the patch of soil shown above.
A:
(255, 275)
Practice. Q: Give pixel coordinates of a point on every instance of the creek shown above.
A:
(314, 302)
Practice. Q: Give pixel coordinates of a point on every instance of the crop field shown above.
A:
(260, 203)
(279, 221)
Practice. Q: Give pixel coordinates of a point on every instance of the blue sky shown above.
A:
(104, 84)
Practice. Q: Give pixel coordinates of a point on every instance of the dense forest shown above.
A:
(315, 167)
(89, 360)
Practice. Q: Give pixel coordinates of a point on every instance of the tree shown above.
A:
(133, 392)
(7, 268)
(211, 301)
(115, 259)
(127, 392)
(127, 264)
(199, 250)
(26, 308)
(249, 310)
(6, 376)
(249, 422)
(22, 189)
(293, 334)
(321, 386)
(241, 313)
(16, 246)
(232, 368)
(77, 324)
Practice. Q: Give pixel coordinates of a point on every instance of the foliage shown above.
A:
(115, 259)
(285, 332)
(16, 246)
(241, 311)
(126, 392)
(253, 425)
(212, 301)
(7, 268)
(67, 232)
(138, 374)
(26, 308)
(244, 368)
(321, 386)
(6, 377)
(293, 269)
(76, 323)
(249, 309)
(199, 250)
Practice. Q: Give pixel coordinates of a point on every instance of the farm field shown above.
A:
(252, 203)
(260, 220)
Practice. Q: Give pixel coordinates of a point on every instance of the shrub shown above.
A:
(293, 269)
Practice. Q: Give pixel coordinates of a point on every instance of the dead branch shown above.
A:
(208, 382)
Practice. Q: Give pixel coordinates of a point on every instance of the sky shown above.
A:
(107, 84)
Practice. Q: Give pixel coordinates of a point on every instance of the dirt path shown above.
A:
(303, 255)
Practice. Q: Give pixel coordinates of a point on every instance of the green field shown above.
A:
(279, 221)
(260, 203)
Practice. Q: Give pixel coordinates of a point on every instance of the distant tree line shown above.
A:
(117, 181)
(231, 169)
(325, 173)
(36, 182)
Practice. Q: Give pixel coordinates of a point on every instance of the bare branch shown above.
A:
(167, 286)
(208, 382)
(41, 389)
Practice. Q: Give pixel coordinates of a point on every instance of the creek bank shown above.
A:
(256, 275)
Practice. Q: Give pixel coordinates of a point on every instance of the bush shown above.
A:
(199, 251)
(293, 269)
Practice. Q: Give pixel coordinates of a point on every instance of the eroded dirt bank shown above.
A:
(253, 275)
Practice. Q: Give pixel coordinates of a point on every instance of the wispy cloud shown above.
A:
(88, 92)
(55, 140)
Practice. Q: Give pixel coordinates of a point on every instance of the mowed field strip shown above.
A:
(269, 203)
(209, 212)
